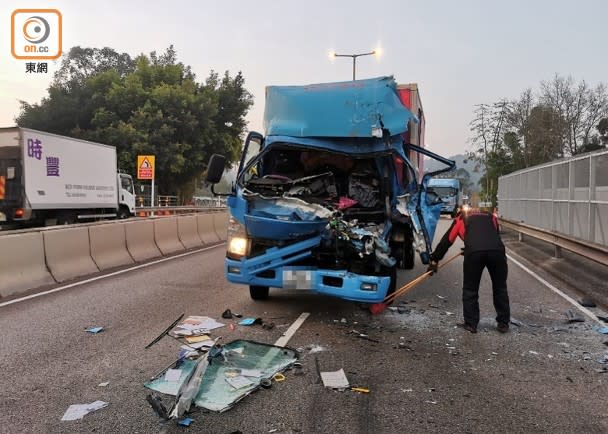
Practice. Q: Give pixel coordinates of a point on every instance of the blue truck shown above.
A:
(448, 190)
(328, 200)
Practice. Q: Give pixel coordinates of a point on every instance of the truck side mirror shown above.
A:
(215, 169)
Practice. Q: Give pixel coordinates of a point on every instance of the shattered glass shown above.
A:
(218, 395)
(241, 358)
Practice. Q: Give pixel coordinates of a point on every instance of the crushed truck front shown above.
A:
(328, 201)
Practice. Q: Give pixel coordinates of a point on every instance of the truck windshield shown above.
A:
(444, 191)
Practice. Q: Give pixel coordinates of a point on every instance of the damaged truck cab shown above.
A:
(329, 200)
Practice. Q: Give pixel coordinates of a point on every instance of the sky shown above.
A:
(460, 53)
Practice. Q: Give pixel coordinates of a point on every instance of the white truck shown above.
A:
(48, 179)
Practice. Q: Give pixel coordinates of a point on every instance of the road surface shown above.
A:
(425, 373)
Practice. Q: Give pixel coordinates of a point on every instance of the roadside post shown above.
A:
(145, 170)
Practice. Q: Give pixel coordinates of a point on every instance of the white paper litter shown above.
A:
(78, 411)
(104, 384)
(195, 323)
(335, 379)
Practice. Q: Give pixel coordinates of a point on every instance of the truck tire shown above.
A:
(66, 218)
(258, 292)
(123, 213)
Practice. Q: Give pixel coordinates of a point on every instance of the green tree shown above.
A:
(148, 105)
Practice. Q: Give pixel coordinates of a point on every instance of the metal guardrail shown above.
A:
(569, 196)
(593, 251)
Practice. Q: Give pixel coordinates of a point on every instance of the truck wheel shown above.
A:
(258, 292)
(123, 213)
(66, 218)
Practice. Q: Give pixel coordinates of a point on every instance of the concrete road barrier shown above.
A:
(220, 224)
(68, 254)
(188, 231)
(109, 245)
(166, 236)
(205, 228)
(140, 240)
(22, 264)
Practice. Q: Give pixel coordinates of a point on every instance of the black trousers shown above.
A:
(474, 263)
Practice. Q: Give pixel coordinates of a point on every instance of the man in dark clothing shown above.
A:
(483, 248)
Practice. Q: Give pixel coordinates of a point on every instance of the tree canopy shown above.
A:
(562, 119)
(150, 104)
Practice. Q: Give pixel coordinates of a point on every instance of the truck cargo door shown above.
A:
(10, 181)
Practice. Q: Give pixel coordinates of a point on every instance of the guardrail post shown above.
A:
(557, 252)
(592, 198)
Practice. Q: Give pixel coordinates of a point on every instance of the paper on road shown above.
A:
(199, 323)
(335, 379)
(78, 411)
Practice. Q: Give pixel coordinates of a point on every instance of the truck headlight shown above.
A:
(238, 243)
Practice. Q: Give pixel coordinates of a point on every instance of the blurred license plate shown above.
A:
(297, 279)
(2, 217)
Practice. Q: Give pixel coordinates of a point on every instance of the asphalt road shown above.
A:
(540, 377)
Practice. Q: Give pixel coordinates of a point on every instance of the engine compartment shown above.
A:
(348, 193)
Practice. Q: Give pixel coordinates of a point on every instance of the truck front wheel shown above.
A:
(123, 213)
(258, 292)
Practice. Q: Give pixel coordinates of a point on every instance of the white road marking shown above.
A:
(282, 341)
(105, 276)
(566, 297)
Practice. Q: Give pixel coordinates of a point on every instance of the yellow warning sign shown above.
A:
(145, 167)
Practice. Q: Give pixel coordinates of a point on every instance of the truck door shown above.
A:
(127, 192)
(253, 146)
(425, 206)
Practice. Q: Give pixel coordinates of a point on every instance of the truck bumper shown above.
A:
(337, 283)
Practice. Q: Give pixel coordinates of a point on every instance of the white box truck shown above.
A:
(48, 179)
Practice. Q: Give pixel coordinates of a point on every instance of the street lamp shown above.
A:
(354, 57)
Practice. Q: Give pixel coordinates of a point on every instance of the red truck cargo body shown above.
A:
(410, 97)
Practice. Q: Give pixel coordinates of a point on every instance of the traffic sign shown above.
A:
(145, 166)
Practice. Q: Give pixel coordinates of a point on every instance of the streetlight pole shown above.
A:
(354, 57)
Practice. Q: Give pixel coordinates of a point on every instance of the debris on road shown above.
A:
(252, 362)
(94, 330)
(364, 336)
(516, 322)
(573, 317)
(78, 411)
(359, 389)
(228, 314)
(603, 330)
(602, 318)
(250, 321)
(315, 349)
(587, 302)
(185, 421)
(335, 379)
(104, 384)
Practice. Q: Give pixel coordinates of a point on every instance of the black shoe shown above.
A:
(502, 327)
(470, 328)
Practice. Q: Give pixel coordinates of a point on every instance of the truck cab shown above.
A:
(448, 190)
(328, 200)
